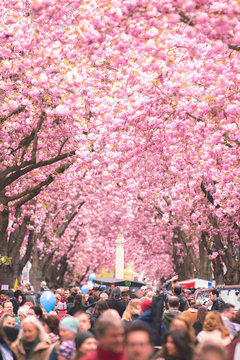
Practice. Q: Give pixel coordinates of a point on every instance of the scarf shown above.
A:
(29, 347)
(5, 352)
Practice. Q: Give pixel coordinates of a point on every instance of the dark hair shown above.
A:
(99, 308)
(70, 299)
(183, 343)
(138, 326)
(214, 292)
(77, 300)
(52, 322)
(177, 290)
(201, 314)
(116, 292)
(173, 301)
(38, 311)
(226, 307)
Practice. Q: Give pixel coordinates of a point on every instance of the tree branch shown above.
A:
(34, 191)
(194, 117)
(208, 196)
(18, 173)
(234, 47)
(20, 109)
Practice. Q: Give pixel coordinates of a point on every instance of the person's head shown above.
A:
(186, 293)
(66, 350)
(110, 332)
(178, 343)
(43, 284)
(125, 296)
(173, 303)
(150, 294)
(213, 321)
(103, 296)
(22, 312)
(84, 321)
(68, 328)
(138, 345)
(77, 300)
(67, 293)
(183, 322)
(7, 307)
(21, 299)
(8, 320)
(139, 294)
(36, 311)
(31, 329)
(227, 310)
(85, 343)
(213, 294)
(146, 305)
(201, 314)
(3, 295)
(116, 293)
(99, 308)
(51, 324)
(177, 290)
(133, 309)
(210, 351)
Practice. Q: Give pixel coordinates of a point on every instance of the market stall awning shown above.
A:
(119, 282)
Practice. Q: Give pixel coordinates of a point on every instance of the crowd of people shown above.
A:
(117, 324)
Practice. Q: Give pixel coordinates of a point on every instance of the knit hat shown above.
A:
(81, 337)
(70, 323)
(10, 293)
(62, 304)
(146, 305)
(66, 349)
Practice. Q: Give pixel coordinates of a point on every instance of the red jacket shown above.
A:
(102, 354)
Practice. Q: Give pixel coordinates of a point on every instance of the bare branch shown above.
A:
(234, 47)
(194, 117)
(62, 145)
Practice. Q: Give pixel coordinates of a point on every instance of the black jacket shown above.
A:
(157, 313)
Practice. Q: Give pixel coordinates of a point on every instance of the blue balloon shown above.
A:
(103, 287)
(48, 300)
(92, 276)
(85, 289)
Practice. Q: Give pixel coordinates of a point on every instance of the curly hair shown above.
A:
(132, 308)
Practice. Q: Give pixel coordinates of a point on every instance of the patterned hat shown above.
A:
(66, 349)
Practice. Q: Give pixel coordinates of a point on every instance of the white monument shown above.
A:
(119, 261)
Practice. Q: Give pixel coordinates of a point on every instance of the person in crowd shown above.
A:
(110, 335)
(67, 293)
(201, 314)
(9, 295)
(84, 321)
(177, 290)
(62, 308)
(177, 346)
(214, 330)
(150, 294)
(115, 301)
(227, 312)
(183, 322)
(191, 313)
(7, 320)
(146, 313)
(22, 313)
(216, 300)
(188, 295)
(104, 296)
(21, 299)
(66, 350)
(7, 307)
(132, 312)
(85, 298)
(233, 349)
(138, 343)
(125, 296)
(32, 342)
(210, 351)
(77, 305)
(172, 312)
(5, 346)
(85, 343)
(70, 302)
(51, 326)
(36, 311)
(99, 308)
(68, 329)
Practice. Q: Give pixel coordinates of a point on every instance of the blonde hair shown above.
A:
(132, 308)
(214, 321)
(188, 324)
(150, 294)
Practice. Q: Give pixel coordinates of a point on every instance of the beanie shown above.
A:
(70, 323)
(10, 293)
(66, 349)
(81, 337)
(146, 305)
(62, 304)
